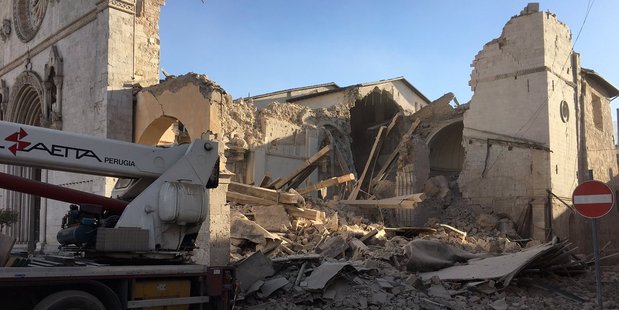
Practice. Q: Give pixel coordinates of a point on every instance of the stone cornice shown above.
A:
(127, 6)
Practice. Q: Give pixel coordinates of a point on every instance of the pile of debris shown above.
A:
(299, 254)
(293, 250)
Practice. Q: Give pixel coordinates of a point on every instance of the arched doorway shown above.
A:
(366, 117)
(24, 107)
(446, 150)
(165, 130)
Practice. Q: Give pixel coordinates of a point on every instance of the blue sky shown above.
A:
(254, 47)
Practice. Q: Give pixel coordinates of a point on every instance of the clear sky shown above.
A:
(258, 46)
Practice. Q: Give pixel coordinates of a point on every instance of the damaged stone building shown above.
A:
(537, 125)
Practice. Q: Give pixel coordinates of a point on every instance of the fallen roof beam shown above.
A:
(305, 165)
(399, 202)
(327, 183)
(265, 193)
(379, 136)
(384, 171)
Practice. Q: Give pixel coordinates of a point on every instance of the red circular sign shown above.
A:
(593, 199)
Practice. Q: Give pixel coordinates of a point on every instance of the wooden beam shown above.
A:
(394, 121)
(327, 183)
(247, 199)
(265, 193)
(384, 171)
(355, 191)
(301, 177)
(265, 181)
(312, 160)
(306, 213)
(399, 202)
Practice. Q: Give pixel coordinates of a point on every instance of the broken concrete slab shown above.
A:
(252, 269)
(333, 247)
(357, 245)
(272, 218)
(429, 255)
(439, 291)
(322, 275)
(243, 228)
(272, 285)
(500, 268)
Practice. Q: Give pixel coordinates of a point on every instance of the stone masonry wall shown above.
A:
(506, 131)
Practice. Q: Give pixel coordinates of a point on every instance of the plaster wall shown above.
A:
(286, 147)
(326, 100)
(407, 99)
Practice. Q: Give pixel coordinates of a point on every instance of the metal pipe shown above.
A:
(59, 193)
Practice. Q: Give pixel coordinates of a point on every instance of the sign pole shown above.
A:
(598, 273)
(594, 199)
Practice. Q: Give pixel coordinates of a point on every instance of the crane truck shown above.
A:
(128, 251)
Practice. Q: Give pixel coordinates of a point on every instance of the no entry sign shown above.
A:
(593, 199)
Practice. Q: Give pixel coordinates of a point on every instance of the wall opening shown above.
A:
(366, 117)
(446, 151)
(165, 130)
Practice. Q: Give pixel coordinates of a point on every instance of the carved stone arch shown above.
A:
(26, 100)
(53, 80)
(25, 106)
(4, 98)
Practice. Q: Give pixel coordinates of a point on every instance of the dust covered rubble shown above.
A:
(348, 261)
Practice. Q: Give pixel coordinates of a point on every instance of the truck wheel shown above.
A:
(70, 300)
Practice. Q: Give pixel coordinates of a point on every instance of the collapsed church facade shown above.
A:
(537, 125)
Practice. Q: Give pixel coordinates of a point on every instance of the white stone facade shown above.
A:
(106, 48)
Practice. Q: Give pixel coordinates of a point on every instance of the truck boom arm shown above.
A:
(172, 206)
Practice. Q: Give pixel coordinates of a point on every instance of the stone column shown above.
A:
(214, 237)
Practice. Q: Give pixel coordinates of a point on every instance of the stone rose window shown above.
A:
(27, 17)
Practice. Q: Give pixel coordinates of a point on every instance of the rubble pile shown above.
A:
(295, 251)
(342, 259)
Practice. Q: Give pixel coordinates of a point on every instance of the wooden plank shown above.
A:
(327, 183)
(265, 181)
(394, 121)
(391, 159)
(285, 180)
(400, 202)
(247, 199)
(355, 191)
(264, 193)
(301, 177)
(310, 214)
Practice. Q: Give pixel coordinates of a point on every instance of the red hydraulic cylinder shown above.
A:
(60, 193)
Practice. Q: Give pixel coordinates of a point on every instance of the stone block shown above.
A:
(272, 218)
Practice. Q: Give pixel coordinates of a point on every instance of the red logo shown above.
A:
(19, 144)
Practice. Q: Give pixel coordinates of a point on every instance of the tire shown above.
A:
(70, 300)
